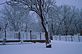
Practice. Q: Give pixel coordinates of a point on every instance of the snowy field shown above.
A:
(58, 47)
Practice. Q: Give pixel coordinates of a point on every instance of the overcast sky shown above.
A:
(77, 3)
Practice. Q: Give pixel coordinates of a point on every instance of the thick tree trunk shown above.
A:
(45, 30)
(48, 45)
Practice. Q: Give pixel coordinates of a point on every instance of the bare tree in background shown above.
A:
(13, 15)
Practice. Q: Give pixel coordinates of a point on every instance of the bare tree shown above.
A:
(39, 6)
(13, 16)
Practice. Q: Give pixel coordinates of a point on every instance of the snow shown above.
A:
(58, 47)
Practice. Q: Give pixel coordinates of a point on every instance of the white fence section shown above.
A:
(37, 36)
(75, 38)
(23, 35)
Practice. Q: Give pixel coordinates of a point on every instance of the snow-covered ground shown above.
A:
(58, 47)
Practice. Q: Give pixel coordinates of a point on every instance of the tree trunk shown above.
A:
(45, 30)
(48, 45)
(43, 25)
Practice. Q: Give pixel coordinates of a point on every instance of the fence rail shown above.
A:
(23, 35)
(37, 36)
(12, 37)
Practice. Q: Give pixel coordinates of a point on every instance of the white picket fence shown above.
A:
(75, 38)
(38, 36)
(23, 35)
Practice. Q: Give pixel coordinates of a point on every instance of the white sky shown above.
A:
(77, 3)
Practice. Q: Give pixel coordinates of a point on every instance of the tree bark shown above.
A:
(42, 22)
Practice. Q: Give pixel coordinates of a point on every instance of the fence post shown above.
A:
(51, 36)
(78, 38)
(5, 34)
(59, 37)
(55, 37)
(4, 40)
(26, 35)
(71, 38)
(30, 34)
(40, 35)
(19, 35)
(65, 37)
